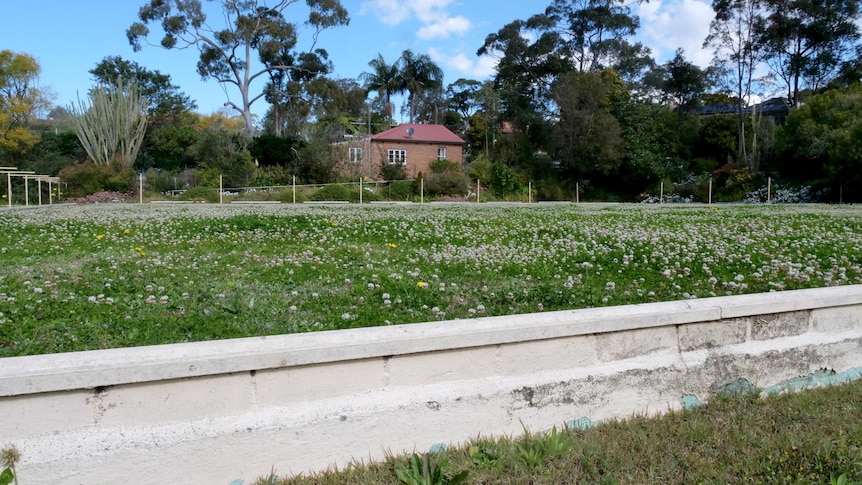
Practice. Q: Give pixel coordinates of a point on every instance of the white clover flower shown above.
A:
(37, 290)
(92, 299)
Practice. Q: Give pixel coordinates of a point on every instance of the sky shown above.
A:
(69, 38)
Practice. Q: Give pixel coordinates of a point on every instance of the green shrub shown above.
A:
(88, 178)
(207, 194)
(444, 166)
(392, 172)
(335, 192)
(285, 196)
(447, 183)
(401, 190)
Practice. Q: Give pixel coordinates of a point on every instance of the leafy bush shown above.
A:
(392, 172)
(447, 183)
(446, 178)
(272, 175)
(444, 166)
(207, 194)
(286, 196)
(88, 178)
(401, 190)
(334, 192)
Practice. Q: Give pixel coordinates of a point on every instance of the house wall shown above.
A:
(419, 155)
(227, 412)
(367, 169)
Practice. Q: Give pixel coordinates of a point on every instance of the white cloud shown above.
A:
(390, 12)
(432, 14)
(684, 24)
(470, 67)
(444, 28)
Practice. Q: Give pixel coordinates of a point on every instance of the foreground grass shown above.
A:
(809, 437)
(117, 275)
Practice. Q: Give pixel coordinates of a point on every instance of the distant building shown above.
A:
(415, 146)
(775, 109)
(412, 146)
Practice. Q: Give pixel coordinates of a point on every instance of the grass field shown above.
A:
(814, 437)
(115, 275)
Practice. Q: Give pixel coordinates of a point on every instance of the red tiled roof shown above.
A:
(421, 133)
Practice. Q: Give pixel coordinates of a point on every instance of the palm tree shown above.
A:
(383, 79)
(418, 73)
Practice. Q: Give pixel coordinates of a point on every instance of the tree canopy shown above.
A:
(20, 100)
(227, 54)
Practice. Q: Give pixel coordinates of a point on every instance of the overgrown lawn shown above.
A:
(116, 275)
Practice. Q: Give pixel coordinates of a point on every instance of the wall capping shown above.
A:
(100, 368)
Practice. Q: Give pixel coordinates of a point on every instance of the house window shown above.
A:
(397, 157)
(441, 153)
(355, 155)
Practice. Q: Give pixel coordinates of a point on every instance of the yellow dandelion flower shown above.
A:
(127, 232)
(421, 284)
(393, 245)
(100, 236)
(139, 249)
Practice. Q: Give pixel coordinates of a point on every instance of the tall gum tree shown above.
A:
(227, 53)
(734, 34)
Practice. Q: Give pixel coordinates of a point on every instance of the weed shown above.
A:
(8, 459)
(422, 470)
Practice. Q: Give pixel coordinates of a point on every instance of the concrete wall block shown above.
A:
(837, 318)
(449, 365)
(174, 400)
(633, 343)
(35, 414)
(712, 334)
(764, 327)
(305, 383)
(538, 355)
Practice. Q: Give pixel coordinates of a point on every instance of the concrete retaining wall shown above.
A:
(227, 411)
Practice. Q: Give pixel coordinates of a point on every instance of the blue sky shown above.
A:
(69, 38)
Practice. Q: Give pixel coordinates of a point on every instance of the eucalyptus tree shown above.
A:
(592, 35)
(227, 53)
(680, 82)
(808, 41)
(165, 100)
(734, 36)
(525, 71)
(287, 90)
(588, 138)
(112, 126)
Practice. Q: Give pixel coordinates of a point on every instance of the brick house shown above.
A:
(413, 146)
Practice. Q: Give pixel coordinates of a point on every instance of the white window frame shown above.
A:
(441, 153)
(354, 155)
(397, 156)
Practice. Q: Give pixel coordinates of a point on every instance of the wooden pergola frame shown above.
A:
(28, 175)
